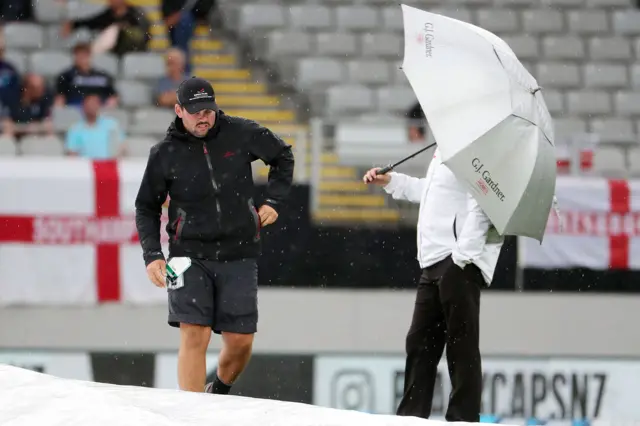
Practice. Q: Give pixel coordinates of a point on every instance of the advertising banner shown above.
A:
(600, 229)
(552, 389)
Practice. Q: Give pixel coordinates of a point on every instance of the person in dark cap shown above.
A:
(204, 166)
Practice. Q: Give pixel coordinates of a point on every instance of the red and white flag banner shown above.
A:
(67, 233)
(601, 227)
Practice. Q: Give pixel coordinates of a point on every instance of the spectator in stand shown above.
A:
(82, 79)
(165, 89)
(9, 81)
(16, 10)
(133, 26)
(96, 136)
(180, 17)
(31, 114)
(417, 130)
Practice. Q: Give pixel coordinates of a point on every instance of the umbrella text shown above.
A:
(486, 177)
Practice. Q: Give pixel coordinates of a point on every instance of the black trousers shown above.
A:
(446, 314)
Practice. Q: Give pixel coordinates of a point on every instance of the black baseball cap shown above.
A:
(196, 94)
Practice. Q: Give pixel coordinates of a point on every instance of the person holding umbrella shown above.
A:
(458, 249)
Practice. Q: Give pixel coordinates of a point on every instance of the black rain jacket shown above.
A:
(209, 182)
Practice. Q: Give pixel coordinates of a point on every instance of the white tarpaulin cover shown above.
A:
(30, 398)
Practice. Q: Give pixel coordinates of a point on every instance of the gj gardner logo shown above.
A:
(353, 389)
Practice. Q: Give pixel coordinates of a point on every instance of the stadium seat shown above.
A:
(22, 35)
(283, 43)
(336, 44)
(561, 75)
(563, 47)
(47, 11)
(319, 71)
(8, 146)
(627, 103)
(368, 71)
(555, 102)
(635, 75)
(626, 22)
(386, 45)
(310, 17)
(538, 21)
(608, 3)
(459, 13)
(609, 160)
(343, 99)
(396, 99)
(151, 121)
(133, 93)
(83, 9)
(120, 115)
(18, 59)
(49, 63)
(144, 66)
(610, 49)
(107, 62)
(614, 130)
(139, 146)
(634, 161)
(566, 127)
(392, 19)
(498, 20)
(261, 17)
(357, 18)
(65, 117)
(525, 47)
(41, 146)
(605, 75)
(584, 102)
(588, 21)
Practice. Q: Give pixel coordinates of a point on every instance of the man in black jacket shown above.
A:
(204, 166)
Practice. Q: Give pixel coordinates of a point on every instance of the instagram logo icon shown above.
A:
(353, 390)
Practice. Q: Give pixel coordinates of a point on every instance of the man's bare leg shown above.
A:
(234, 357)
(192, 368)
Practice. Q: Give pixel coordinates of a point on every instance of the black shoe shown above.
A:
(208, 388)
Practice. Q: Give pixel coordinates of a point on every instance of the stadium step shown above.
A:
(337, 186)
(213, 60)
(264, 116)
(356, 215)
(264, 101)
(239, 88)
(351, 200)
(224, 74)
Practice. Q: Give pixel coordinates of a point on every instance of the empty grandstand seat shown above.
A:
(368, 71)
(348, 99)
(8, 146)
(357, 18)
(65, 117)
(22, 35)
(627, 103)
(336, 44)
(392, 19)
(609, 160)
(634, 161)
(395, 98)
(498, 20)
(133, 93)
(587, 102)
(143, 65)
(120, 115)
(610, 49)
(626, 22)
(555, 101)
(41, 146)
(18, 59)
(567, 127)
(139, 146)
(614, 130)
(369, 142)
(524, 46)
(261, 17)
(107, 62)
(558, 74)
(310, 17)
(459, 13)
(47, 11)
(608, 3)
(605, 75)
(563, 47)
(381, 44)
(83, 9)
(635, 75)
(319, 71)
(282, 43)
(588, 21)
(151, 121)
(49, 63)
(542, 21)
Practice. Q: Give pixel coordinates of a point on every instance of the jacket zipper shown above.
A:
(213, 183)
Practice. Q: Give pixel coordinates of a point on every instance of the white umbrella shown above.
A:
(488, 117)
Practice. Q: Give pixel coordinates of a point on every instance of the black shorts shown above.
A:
(221, 295)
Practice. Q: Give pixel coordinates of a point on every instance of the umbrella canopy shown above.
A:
(488, 117)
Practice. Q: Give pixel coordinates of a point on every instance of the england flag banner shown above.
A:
(600, 227)
(68, 235)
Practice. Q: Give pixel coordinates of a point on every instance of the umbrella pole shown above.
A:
(390, 167)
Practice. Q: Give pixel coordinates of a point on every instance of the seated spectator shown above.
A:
(133, 26)
(82, 79)
(9, 81)
(96, 137)
(165, 90)
(31, 114)
(417, 129)
(16, 10)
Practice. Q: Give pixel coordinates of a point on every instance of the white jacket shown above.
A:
(446, 207)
